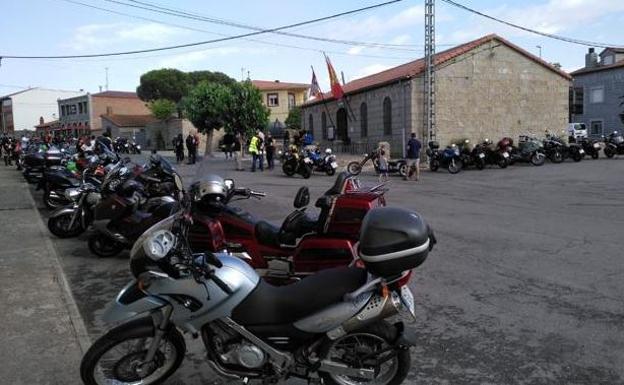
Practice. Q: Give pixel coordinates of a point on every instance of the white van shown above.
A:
(577, 130)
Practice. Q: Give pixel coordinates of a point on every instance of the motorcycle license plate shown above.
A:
(581, 151)
(407, 299)
(334, 165)
(481, 155)
(505, 154)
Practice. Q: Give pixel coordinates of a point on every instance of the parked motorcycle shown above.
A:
(450, 158)
(553, 150)
(330, 328)
(573, 151)
(529, 150)
(323, 162)
(300, 246)
(295, 163)
(394, 165)
(497, 156)
(474, 157)
(34, 163)
(614, 144)
(590, 146)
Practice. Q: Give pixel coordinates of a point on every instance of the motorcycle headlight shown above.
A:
(72, 193)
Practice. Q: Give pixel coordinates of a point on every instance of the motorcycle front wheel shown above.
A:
(577, 157)
(455, 166)
(403, 170)
(480, 164)
(538, 159)
(595, 155)
(288, 168)
(330, 171)
(556, 157)
(59, 226)
(354, 168)
(502, 162)
(103, 246)
(609, 153)
(434, 165)
(117, 357)
(365, 349)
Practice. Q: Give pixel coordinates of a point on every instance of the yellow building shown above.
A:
(280, 97)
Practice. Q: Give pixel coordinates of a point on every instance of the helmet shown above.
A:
(209, 192)
(328, 151)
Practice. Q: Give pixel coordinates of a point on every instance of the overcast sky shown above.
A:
(54, 27)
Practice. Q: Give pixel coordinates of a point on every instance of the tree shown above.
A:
(162, 109)
(294, 118)
(166, 83)
(197, 77)
(206, 107)
(246, 113)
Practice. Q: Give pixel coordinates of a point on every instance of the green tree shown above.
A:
(246, 113)
(166, 83)
(294, 118)
(206, 107)
(162, 109)
(197, 77)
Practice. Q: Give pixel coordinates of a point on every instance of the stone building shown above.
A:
(597, 94)
(486, 88)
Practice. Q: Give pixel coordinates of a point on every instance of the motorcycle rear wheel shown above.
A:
(595, 155)
(480, 164)
(59, 226)
(538, 159)
(577, 157)
(371, 343)
(306, 172)
(556, 157)
(136, 337)
(330, 171)
(609, 153)
(354, 168)
(103, 246)
(502, 162)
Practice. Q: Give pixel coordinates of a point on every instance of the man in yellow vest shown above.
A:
(255, 149)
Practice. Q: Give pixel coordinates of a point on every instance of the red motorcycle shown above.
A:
(302, 245)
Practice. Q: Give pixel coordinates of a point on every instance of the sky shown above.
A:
(58, 27)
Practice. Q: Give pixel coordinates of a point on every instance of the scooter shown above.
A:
(302, 244)
(329, 328)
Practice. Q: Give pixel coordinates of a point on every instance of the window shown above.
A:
(324, 125)
(596, 128)
(72, 109)
(387, 116)
(310, 123)
(272, 100)
(363, 120)
(576, 100)
(62, 110)
(291, 101)
(596, 95)
(80, 108)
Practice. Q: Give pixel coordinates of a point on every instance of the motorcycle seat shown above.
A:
(267, 234)
(338, 186)
(274, 305)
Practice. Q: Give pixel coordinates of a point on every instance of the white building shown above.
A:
(22, 110)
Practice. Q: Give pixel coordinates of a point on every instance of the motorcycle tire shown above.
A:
(434, 165)
(354, 168)
(381, 331)
(330, 171)
(502, 163)
(306, 172)
(480, 164)
(403, 170)
(609, 153)
(59, 226)
(103, 246)
(538, 159)
(577, 157)
(288, 169)
(137, 330)
(455, 166)
(556, 157)
(595, 155)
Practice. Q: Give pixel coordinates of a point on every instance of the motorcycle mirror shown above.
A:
(229, 183)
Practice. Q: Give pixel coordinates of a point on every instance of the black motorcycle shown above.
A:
(614, 145)
(553, 150)
(34, 163)
(529, 150)
(496, 156)
(294, 163)
(472, 158)
(572, 151)
(591, 147)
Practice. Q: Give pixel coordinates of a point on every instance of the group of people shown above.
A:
(191, 142)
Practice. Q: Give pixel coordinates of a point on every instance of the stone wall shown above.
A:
(159, 135)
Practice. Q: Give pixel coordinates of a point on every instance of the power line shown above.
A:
(526, 29)
(228, 38)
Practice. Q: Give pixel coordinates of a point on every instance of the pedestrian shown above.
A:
(7, 151)
(238, 151)
(383, 164)
(228, 144)
(190, 146)
(413, 156)
(269, 147)
(255, 146)
(178, 146)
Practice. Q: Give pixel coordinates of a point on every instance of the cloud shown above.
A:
(371, 69)
(95, 36)
(192, 60)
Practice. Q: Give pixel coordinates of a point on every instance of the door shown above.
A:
(342, 132)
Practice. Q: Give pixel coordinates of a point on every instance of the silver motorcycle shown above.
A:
(329, 328)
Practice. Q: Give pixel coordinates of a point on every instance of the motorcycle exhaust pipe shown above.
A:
(377, 308)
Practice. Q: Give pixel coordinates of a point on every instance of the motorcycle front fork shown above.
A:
(161, 321)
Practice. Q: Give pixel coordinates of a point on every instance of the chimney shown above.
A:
(591, 58)
(41, 120)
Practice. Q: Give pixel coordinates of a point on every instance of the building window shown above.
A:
(72, 109)
(596, 95)
(310, 123)
(291, 101)
(272, 100)
(387, 116)
(62, 110)
(577, 100)
(595, 128)
(363, 120)
(80, 108)
(324, 125)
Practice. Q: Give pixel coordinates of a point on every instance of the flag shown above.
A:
(315, 89)
(336, 88)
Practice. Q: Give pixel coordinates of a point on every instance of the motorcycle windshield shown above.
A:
(138, 251)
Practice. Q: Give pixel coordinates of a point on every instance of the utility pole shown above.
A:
(429, 105)
(106, 69)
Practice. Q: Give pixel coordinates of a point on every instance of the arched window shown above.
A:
(387, 116)
(363, 120)
(324, 124)
(311, 124)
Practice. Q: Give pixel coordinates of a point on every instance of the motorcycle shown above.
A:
(613, 144)
(394, 165)
(300, 245)
(529, 150)
(323, 163)
(294, 163)
(329, 328)
(495, 156)
(553, 150)
(134, 148)
(590, 146)
(449, 158)
(474, 157)
(34, 163)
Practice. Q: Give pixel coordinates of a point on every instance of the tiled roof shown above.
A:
(583, 71)
(268, 85)
(417, 67)
(116, 94)
(130, 120)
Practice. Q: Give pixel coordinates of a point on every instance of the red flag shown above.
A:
(336, 88)
(315, 89)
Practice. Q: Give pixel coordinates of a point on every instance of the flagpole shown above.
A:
(325, 105)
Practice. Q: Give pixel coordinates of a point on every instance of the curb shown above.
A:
(78, 325)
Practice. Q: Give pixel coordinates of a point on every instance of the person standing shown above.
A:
(178, 145)
(228, 144)
(7, 151)
(238, 151)
(255, 146)
(383, 164)
(191, 148)
(269, 147)
(413, 156)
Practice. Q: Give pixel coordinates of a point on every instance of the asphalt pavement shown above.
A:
(524, 287)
